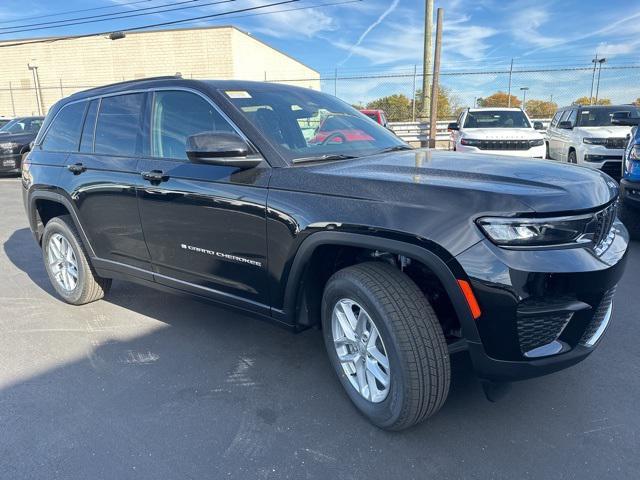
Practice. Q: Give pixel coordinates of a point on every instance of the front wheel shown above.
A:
(573, 157)
(386, 345)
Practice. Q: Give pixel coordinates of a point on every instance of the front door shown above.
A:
(204, 225)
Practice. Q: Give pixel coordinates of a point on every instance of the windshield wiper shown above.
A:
(322, 158)
(397, 148)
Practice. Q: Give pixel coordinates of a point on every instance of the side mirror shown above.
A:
(220, 148)
(453, 126)
(565, 125)
(624, 119)
(538, 125)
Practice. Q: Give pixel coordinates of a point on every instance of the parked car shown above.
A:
(3, 121)
(15, 138)
(340, 129)
(630, 182)
(402, 257)
(377, 116)
(584, 135)
(502, 131)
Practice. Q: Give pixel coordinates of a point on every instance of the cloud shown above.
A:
(525, 27)
(364, 34)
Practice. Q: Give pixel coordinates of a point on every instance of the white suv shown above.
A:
(502, 131)
(584, 135)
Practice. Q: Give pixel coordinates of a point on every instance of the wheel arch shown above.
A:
(443, 266)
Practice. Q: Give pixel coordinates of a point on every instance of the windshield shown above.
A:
(22, 125)
(308, 125)
(601, 117)
(497, 119)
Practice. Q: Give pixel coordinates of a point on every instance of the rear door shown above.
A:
(204, 225)
(102, 179)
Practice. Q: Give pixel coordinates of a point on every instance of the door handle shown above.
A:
(155, 176)
(77, 168)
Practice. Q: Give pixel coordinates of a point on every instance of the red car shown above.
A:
(334, 130)
(378, 116)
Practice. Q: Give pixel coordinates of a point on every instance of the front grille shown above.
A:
(613, 169)
(616, 143)
(504, 144)
(598, 316)
(602, 233)
(537, 330)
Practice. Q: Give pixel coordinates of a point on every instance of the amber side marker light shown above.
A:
(470, 298)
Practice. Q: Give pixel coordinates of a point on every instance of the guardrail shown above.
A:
(416, 133)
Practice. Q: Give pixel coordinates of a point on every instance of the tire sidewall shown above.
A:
(60, 227)
(385, 413)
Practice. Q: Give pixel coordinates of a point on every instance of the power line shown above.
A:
(109, 16)
(143, 27)
(35, 17)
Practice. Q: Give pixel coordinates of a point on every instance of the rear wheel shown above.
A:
(386, 345)
(572, 157)
(68, 266)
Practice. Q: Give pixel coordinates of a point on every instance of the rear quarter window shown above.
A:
(64, 133)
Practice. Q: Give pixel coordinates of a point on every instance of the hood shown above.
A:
(501, 133)
(21, 138)
(612, 131)
(483, 184)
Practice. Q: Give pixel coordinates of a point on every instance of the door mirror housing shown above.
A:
(565, 125)
(538, 125)
(453, 126)
(220, 148)
(624, 119)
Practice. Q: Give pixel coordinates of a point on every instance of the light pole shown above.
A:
(33, 66)
(524, 97)
(600, 62)
(593, 78)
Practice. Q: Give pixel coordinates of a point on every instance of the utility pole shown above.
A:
(510, 75)
(433, 116)
(426, 64)
(413, 103)
(593, 77)
(600, 62)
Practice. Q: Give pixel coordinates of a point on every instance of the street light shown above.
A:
(600, 62)
(33, 66)
(524, 97)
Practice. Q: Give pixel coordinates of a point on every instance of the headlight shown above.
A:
(595, 141)
(538, 232)
(536, 143)
(9, 145)
(471, 142)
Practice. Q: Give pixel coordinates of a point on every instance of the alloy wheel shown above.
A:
(62, 262)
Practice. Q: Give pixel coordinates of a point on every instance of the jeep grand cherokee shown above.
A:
(400, 256)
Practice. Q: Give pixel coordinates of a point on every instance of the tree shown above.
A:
(398, 107)
(540, 108)
(499, 99)
(592, 101)
(637, 102)
(447, 103)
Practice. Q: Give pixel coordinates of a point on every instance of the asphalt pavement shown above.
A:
(149, 385)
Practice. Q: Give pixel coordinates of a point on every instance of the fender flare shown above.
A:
(64, 201)
(427, 257)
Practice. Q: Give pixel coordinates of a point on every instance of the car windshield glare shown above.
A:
(304, 125)
(601, 117)
(496, 119)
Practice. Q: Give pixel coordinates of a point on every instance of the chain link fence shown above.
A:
(399, 93)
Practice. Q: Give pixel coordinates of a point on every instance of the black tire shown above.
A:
(546, 151)
(90, 287)
(630, 216)
(572, 157)
(415, 344)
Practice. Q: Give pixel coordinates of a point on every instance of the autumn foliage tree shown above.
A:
(499, 99)
(592, 101)
(637, 102)
(540, 108)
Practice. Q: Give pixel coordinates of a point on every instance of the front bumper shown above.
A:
(630, 192)
(10, 163)
(533, 152)
(542, 310)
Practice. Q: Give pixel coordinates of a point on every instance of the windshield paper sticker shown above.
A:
(237, 94)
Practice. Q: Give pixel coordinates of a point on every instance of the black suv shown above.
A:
(15, 137)
(224, 189)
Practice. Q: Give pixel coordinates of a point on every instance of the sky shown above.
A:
(383, 39)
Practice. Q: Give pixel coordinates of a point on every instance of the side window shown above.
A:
(86, 141)
(565, 116)
(118, 126)
(64, 133)
(573, 116)
(556, 118)
(178, 115)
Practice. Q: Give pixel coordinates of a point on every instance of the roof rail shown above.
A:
(137, 80)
